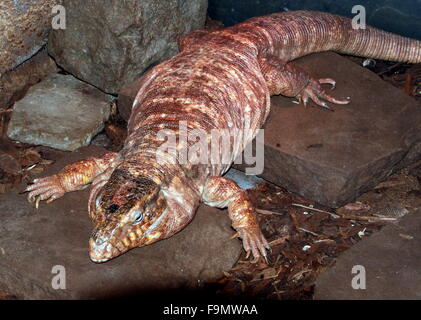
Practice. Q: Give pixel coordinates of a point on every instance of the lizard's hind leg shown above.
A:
(290, 80)
(75, 176)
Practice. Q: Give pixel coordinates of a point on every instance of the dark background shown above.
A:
(398, 16)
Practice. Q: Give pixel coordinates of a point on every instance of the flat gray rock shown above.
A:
(392, 262)
(123, 39)
(61, 112)
(33, 241)
(333, 157)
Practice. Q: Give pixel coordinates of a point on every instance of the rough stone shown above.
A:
(60, 112)
(110, 46)
(24, 27)
(126, 97)
(392, 262)
(333, 157)
(33, 241)
(15, 83)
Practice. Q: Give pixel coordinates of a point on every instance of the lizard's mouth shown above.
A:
(106, 246)
(102, 252)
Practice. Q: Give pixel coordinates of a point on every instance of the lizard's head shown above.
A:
(128, 212)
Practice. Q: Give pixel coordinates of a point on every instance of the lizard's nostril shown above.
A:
(97, 239)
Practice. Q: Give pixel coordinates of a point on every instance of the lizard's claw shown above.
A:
(254, 242)
(315, 92)
(48, 188)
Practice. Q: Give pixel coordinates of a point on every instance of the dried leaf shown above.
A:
(278, 241)
(29, 157)
(357, 206)
(5, 187)
(389, 184)
(406, 236)
(9, 164)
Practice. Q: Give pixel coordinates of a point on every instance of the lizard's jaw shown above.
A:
(105, 251)
(103, 248)
(102, 252)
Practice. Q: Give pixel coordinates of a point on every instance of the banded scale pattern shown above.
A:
(221, 80)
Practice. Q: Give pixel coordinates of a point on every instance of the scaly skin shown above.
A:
(220, 80)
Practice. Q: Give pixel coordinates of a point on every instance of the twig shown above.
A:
(324, 240)
(308, 231)
(389, 69)
(268, 212)
(278, 241)
(368, 218)
(314, 209)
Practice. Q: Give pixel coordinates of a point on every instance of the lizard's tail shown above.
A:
(375, 43)
(298, 33)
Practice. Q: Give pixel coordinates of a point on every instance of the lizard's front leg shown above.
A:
(75, 176)
(222, 192)
(290, 80)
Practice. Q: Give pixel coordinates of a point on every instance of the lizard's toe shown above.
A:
(254, 242)
(315, 92)
(327, 81)
(43, 189)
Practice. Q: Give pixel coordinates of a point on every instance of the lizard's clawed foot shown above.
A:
(254, 242)
(48, 188)
(315, 92)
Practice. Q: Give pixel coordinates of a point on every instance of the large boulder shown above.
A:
(24, 27)
(112, 45)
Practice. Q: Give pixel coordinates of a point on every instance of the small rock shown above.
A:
(244, 181)
(60, 112)
(100, 140)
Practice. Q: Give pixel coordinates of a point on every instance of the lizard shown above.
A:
(220, 79)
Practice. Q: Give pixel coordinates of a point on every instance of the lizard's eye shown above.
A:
(98, 201)
(138, 217)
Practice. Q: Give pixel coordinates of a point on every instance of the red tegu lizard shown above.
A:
(221, 79)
